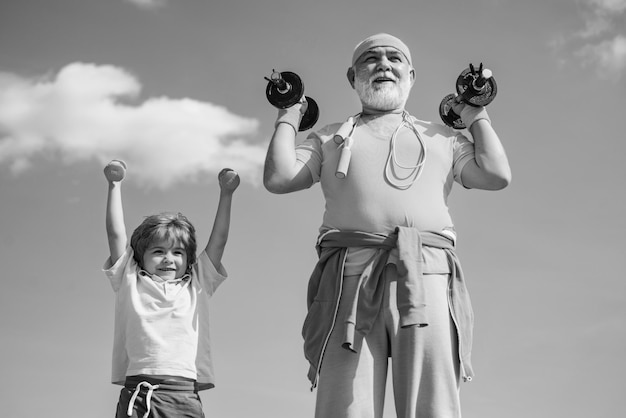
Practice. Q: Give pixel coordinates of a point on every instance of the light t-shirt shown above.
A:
(162, 328)
(365, 201)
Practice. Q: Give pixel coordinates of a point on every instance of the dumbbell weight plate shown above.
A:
(482, 98)
(448, 116)
(291, 95)
(310, 116)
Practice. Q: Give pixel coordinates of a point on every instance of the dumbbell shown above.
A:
(230, 177)
(284, 90)
(475, 87)
(115, 170)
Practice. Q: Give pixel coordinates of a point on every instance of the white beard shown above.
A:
(389, 96)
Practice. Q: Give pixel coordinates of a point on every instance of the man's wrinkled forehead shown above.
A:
(380, 40)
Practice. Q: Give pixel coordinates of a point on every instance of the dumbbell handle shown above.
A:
(480, 82)
(476, 87)
(281, 85)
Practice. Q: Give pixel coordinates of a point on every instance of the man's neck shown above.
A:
(369, 112)
(383, 123)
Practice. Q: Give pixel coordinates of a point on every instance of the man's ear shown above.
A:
(350, 75)
(412, 73)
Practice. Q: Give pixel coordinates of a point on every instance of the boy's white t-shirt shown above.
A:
(162, 328)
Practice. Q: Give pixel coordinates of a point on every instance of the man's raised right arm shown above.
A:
(283, 172)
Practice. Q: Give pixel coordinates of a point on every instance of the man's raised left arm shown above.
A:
(490, 169)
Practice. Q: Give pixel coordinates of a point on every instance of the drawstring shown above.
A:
(131, 404)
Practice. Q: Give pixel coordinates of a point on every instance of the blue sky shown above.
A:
(176, 89)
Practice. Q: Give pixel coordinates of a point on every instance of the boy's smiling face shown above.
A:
(165, 258)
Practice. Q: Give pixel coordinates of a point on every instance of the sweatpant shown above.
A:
(424, 361)
(153, 398)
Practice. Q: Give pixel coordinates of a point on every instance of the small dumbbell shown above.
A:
(229, 177)
(284, 90)
(475, 88)
(115, 170)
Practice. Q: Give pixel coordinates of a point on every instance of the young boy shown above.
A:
(161, 349)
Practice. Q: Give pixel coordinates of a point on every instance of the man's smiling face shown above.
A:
(383, 78)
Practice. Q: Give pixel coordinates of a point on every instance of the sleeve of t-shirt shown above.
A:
(208, 275)
(463, 150)
(309, 153)
(116, 271)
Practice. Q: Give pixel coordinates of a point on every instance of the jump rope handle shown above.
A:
(343, 137)
(344, 159)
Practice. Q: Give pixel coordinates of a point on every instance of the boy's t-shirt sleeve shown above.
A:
(209, 276)
(116, 271)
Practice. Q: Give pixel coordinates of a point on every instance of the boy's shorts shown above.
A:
(144, 397)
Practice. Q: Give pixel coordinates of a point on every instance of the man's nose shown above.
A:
(383, 64)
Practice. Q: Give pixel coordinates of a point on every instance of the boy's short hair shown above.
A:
(169, 226)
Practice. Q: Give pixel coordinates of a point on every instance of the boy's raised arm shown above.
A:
(115, 226)
(229, 181)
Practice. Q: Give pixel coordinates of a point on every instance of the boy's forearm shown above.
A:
(114, 210)
(115, 227)
(221, 227)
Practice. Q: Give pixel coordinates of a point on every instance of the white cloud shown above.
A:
(602, 16)
(609, 56)
(611, 6)
(599, 42)
(83, 114)
(148, 4)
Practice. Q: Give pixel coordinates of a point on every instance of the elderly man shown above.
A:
(388, 283)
